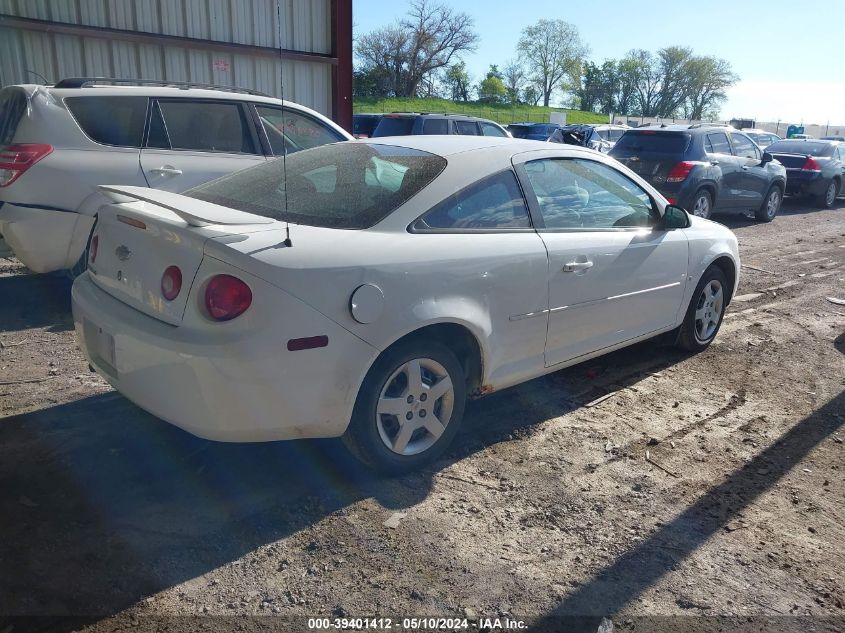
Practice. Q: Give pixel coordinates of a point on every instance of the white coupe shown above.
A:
(365, 289)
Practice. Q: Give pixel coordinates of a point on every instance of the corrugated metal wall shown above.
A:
(306, 27)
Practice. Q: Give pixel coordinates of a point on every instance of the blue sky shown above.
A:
(789, 55)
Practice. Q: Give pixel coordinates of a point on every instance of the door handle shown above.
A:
(714, 162)
(745, 168)
(166, 170)
(572, 267)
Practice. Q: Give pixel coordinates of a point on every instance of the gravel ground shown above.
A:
(708, 485)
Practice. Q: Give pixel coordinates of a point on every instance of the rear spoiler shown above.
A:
(194, 212)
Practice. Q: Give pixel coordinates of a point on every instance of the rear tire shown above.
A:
(409, 408)
(828, 198)
(705, 312)
(771, 205)
(702, 205)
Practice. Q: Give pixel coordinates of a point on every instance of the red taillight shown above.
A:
(811, 164)
(16, 159)
(171, 283)
(680, 171)
(92, 250)
(227, 297)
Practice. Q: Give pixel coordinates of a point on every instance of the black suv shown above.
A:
(705, 169)
(406, 123)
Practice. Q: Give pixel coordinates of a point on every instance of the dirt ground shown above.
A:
(706, 493)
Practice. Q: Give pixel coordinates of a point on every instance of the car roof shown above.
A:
(685, 127)
(161, 91)
(818, 141)
(451, 115)
(448, 145)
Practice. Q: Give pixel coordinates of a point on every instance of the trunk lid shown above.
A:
(792, 161)
(145, 232)
(651, 154)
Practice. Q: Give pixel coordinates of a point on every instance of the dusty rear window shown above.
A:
(649, 142)
(12, 108)
(801, 147)
(344, 186)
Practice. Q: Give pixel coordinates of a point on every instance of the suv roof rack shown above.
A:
(84, 82)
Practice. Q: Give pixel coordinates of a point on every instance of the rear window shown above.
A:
(648, 142)
(12, 108)
(345, 186)
(394, 126)
(519, 131)
(110, 120)
(801, 147)
(435, 126)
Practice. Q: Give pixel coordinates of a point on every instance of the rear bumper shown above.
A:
(237, 385)
(43, 239)
(805, 183)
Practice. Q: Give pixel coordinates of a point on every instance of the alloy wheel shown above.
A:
(702, 207)
(830, 194)
(415, 406)
(708, 310)
(773, 203)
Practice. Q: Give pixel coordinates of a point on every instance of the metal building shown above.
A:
(300, 47)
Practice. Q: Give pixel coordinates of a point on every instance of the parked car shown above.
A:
(409, 123)
(610, 134)
(815, 167)
(532, 131)
(801, 136)
(705, 169)
(834, 138)
(582, 135)
(467, 265)
(364, 124)
(762, 138)
(57, 143)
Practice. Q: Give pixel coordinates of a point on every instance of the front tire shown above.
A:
(827, 199)
(771, 205)
(702, 205)
(705, 312)
(409, 408)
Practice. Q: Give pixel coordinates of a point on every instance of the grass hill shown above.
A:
(503, 114)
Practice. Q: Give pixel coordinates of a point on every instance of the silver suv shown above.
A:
(57, 143)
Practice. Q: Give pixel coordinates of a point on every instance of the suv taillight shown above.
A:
(226, 297)
(16, 159)
(679, 172)
(811, 164)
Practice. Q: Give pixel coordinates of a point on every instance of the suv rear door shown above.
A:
(718, 150)
(192, 141)
(755, 176)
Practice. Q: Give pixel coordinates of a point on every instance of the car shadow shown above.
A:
(35, 301)
(619, 583)
(106, 505)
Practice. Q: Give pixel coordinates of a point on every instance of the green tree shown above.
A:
(553, 48)
(458, 81)
(513, 74)
(492, 89)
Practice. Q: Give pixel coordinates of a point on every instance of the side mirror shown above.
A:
(767, 158)
(674, 217)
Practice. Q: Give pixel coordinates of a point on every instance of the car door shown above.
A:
(291, 130)
(190, 142)
(613, 276)
(756, 178)
(718, 150)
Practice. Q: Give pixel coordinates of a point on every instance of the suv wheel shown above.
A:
(702, 205)
(771, 205)
(409, 408)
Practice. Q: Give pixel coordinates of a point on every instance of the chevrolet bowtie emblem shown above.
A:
(123, 253)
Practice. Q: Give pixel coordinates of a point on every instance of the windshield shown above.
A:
(801, 147)
(344, 185)
(649, 142)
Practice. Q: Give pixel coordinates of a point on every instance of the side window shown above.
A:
(585, 194)
(495, 202)
(488, 129)
(12, 108)
(717, 143)
(110, 120)
(468, 128)
(205, 126)
(435, 126)
(744, 147)
(287, 128)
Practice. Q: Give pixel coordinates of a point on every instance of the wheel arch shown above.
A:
(460, 339)
(729, 268)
